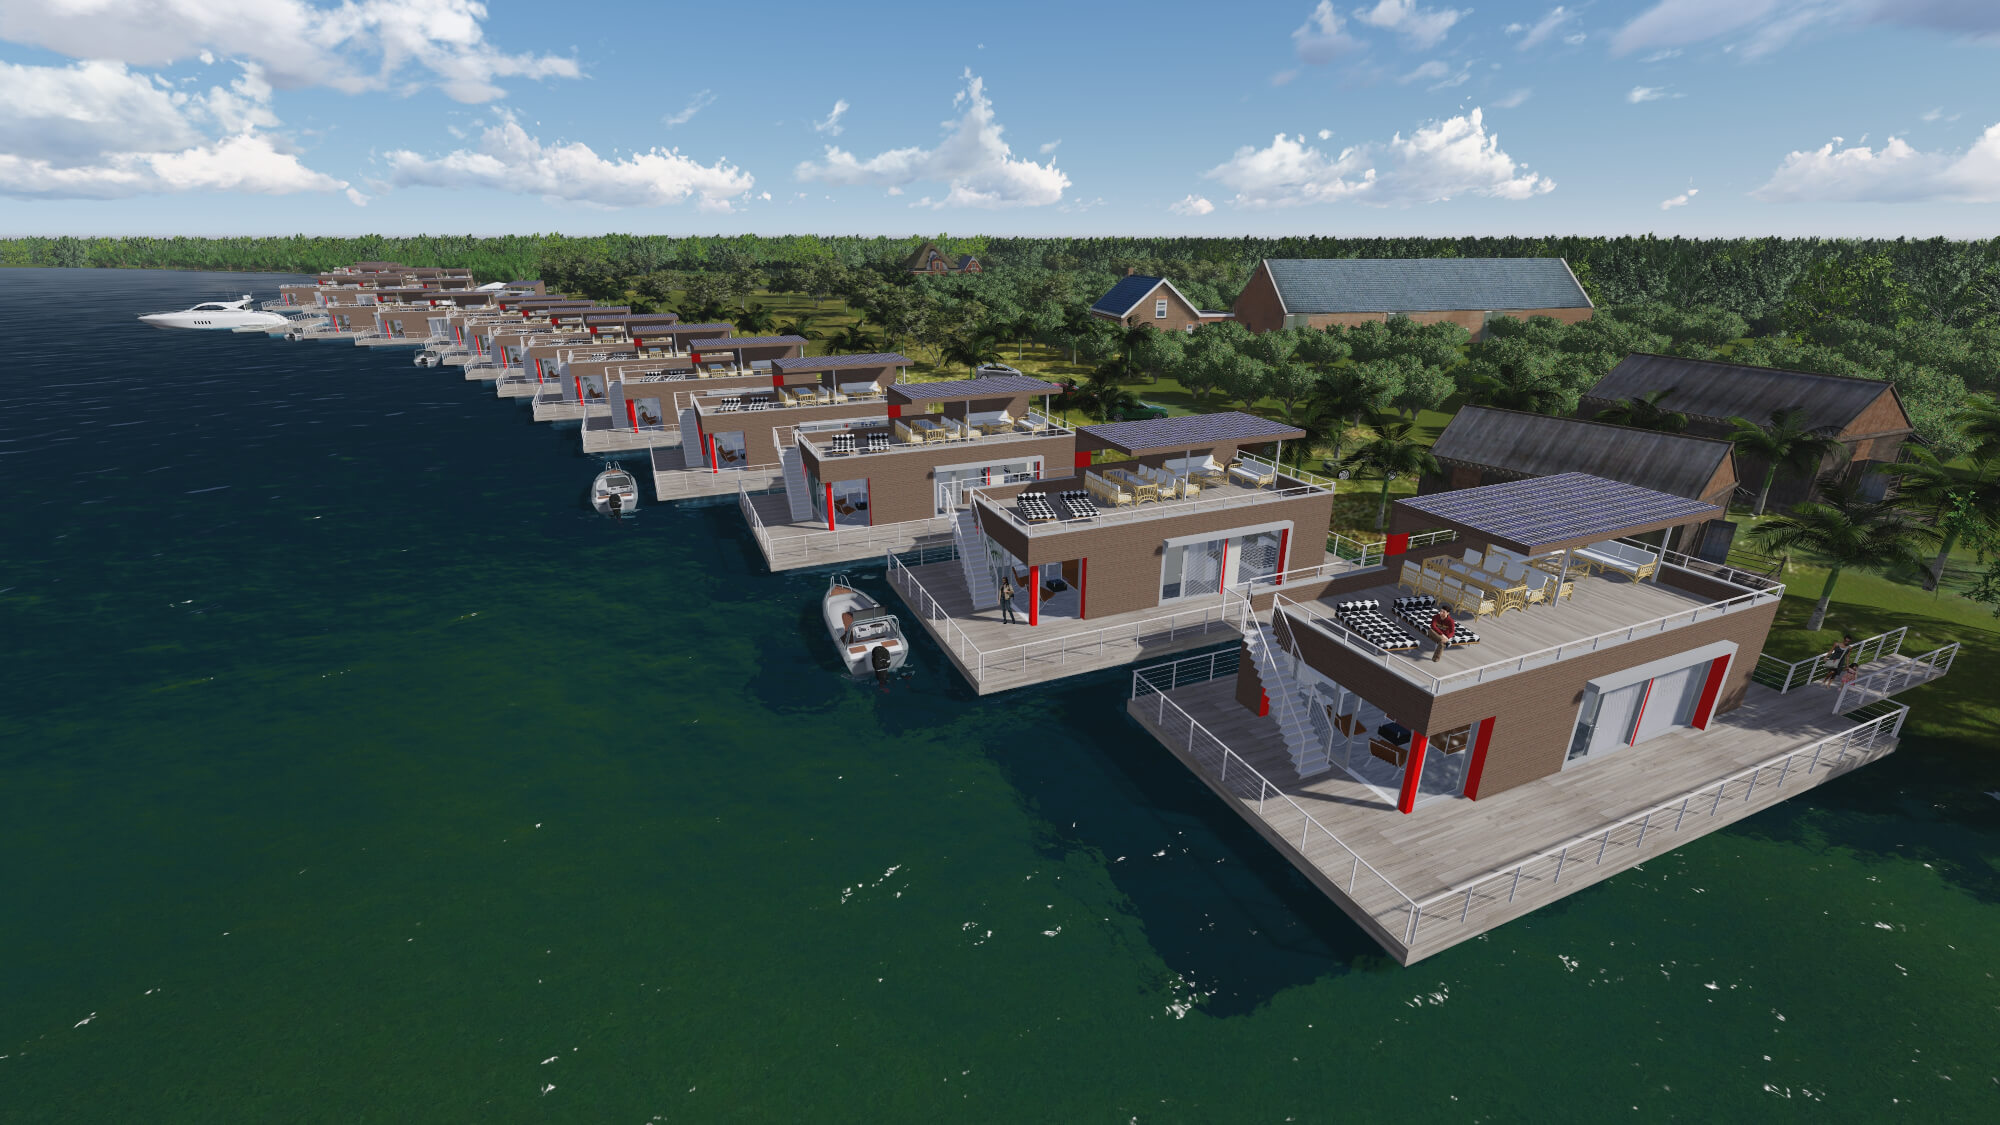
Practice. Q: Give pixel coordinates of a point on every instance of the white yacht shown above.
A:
(216, 315)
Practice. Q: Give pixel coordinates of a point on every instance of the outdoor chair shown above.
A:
(1252, 475)
(1411, 578)
(1110, 492)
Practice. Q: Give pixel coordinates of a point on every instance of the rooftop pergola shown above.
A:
(1185, 433)
(1543, 515)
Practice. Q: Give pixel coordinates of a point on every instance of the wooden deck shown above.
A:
(602, 434)
(994, 656)
(791, 545)
(1598, 605)
(674, 480)
(1432, 854)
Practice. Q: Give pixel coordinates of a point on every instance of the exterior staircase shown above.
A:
(972, 556)
(793, 466)
(692, 453)
(1289, 705)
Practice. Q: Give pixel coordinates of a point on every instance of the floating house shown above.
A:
(1597, 703)
(739, 436)
(895, 480)
(1130, 553)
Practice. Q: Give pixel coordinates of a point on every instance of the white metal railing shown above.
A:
(1868, 687)
(1783, 676)
(1501, 885)
(1210, 500)
(807, 431)
(982, 663)
(1187, 671)
(1373, 554)
(1437, 684)
(1735, 576)
(1237, 777)
(803, 545)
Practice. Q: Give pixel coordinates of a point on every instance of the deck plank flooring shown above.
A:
(1446, 843)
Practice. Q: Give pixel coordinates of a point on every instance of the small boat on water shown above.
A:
(859, 625)
(614, 492)
(217, 315)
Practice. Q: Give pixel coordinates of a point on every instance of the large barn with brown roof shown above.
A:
(1865, 415)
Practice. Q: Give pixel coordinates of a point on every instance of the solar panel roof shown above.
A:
(987, 386)
(835, 362)
(743, 341)
(1189, 431)
(683, 329)
(1565, 510)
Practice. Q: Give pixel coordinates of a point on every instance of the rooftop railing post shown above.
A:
(1560, 860)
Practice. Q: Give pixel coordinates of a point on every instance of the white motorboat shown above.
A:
(213, 315)
(614, 492)
(859, 626)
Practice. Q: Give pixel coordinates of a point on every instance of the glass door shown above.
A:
(1193, 569)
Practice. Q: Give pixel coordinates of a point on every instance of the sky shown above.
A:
(1388, 117)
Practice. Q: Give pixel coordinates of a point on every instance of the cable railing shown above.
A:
(1210, 500)
(981, 664)
(1501, 886)
(1237, 777)
(1783, 676)
(1883, 682)
(1373, 554)
(801, 546)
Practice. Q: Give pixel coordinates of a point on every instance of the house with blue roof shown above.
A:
(1138, 299)
(1469, 292)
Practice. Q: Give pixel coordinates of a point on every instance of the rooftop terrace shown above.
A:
(1252, 481)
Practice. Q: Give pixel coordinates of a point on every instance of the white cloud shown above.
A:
(1425, 72)
(1326, 134)
(359, 45)
(831, 125)
(1514, 99)
(702, 100)
(1542, 29)
(1680, 200)
(1321, 39)
(1894, 173)
(1079, 206)
(1640, 94)
(1763, 26)
(1191, 206)
(247, 162)
(1575, 39)
(1439, 161)
(1662, 56)
(1284, 77)
(508, 159)
(1051, 147)
(972, 158)
(95, 130)
(1422, 27)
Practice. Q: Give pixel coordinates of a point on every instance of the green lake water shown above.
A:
(352, 770)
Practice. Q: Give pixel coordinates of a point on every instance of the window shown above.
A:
(1189, 329)
(1160, 309)
(1192, 570)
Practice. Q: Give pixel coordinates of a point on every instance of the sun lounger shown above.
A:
(1035, 507)
(1419, 610)
(1075, 505)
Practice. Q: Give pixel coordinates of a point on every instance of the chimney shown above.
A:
(1130, 270)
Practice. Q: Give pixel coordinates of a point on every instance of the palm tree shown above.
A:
(1346, 399)
(754, 321)
(1783, 443)
(1393, 453)
(973, 351)
(1961, 508)
(800, 326)
(1511, 388)
(1847, 530)
(1646, 413)
(852, 339)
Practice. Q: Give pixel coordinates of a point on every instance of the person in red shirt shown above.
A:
(1443, 628)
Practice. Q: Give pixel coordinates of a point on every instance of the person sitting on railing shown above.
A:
(1443, 628)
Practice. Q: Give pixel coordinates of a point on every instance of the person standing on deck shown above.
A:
(1007, 601)
(1839, 658)
(1443, 628)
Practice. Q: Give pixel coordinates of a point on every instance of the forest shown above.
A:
(1923, 314)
